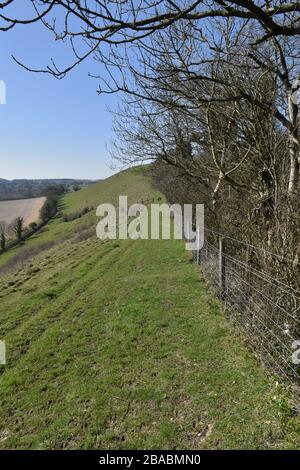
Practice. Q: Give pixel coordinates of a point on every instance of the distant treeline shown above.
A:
(25, 189)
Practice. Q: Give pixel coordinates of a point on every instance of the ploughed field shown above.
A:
(29, 209)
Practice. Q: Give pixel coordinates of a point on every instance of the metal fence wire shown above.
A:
(267, 310)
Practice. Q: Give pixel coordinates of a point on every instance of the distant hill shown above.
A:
(23, 189)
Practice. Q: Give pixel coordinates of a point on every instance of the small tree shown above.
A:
(3, 231)
(18, 227)
(49, 209)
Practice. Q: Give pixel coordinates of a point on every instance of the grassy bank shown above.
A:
(118, 344)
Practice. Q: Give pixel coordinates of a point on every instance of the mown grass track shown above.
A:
(119, 344)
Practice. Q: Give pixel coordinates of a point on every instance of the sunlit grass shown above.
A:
(118, 344)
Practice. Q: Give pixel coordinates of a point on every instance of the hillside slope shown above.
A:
(117, 344)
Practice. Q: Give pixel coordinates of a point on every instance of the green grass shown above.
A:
(119, 344)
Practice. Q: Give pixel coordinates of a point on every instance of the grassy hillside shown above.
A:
(132, 183)
(118, 344)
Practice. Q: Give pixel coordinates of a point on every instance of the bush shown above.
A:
(49, 209)
(18, 227)
(33, 226)
(77, 214)
(3, 235)
(84, 233)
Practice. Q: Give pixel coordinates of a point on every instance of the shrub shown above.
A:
(18, 227)
(49, 209)
(84, 234)
(77, 214)
(3, 232)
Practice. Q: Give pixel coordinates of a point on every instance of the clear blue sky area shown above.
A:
(50, 128)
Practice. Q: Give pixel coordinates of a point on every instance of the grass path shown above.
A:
(120, 345)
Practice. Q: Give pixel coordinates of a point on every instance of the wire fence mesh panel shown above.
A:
(267, 309)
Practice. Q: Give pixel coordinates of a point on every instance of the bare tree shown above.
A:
(190, 69)
(219, 115)
(117, 23)
(239, 33)
(3, 235)
(18, 227)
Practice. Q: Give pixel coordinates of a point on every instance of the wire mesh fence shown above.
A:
(267, 309)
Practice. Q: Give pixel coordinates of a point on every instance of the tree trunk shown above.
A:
(293, 109)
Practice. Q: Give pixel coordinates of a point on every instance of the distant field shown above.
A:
(27, 208)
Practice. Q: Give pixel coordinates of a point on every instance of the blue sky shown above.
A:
(50, 128)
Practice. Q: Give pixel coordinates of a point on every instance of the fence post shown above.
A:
(198, 247)
(222, 268)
